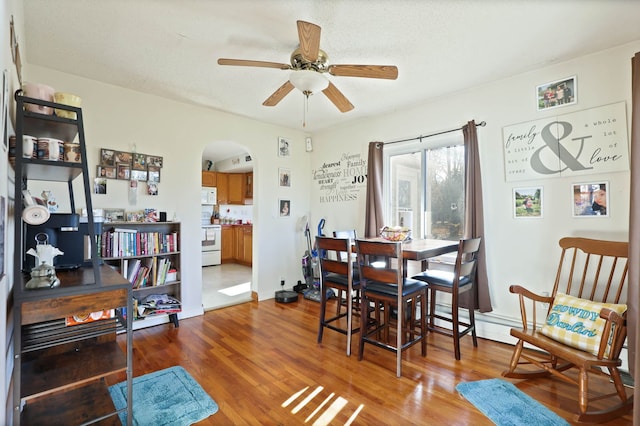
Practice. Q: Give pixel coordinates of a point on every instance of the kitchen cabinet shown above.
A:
(209, 178)
(64, 338)
(222, 183)
(247, 237)
(243, 235)
(237, 244)
(248, 183)
(227, 254)
(236, 188)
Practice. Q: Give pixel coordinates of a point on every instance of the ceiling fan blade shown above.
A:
(247, 63)
(309, 35)
(369, 71)
(338, 99)
(278, 94)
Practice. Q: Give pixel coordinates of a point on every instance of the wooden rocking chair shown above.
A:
(594, 270)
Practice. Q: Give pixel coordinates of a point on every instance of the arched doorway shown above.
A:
(226, 275)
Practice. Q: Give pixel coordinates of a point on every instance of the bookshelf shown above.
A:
(147, 254)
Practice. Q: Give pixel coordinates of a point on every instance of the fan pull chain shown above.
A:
(305, 107)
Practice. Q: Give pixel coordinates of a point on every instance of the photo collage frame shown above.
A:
(129, 166)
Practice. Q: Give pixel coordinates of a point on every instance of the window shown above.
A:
(429, 178)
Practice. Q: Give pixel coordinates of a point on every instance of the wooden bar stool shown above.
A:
(336, 272)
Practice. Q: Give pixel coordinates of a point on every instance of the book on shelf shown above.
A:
(129, 230)
(133, 269)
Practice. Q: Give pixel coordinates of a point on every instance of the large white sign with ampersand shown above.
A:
(581, 143)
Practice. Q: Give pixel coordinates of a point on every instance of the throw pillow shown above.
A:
(577, 323)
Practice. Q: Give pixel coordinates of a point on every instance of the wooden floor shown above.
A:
(252, 358)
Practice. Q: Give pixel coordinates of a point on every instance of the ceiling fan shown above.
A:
(308, 63)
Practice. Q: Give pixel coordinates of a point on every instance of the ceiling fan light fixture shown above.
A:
(308, 81)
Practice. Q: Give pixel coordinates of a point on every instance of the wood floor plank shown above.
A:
(252, 357)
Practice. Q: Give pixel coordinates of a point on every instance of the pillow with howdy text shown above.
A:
(577, 323)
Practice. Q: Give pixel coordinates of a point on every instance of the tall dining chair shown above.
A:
(352, 235)
(386, 288)
(336, 272)
(459, 280)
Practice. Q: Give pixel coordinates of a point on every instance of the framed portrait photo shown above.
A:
(590, 199)
(106, 172)
(527, 202)
(124, 171)
(107, 157)
(557, 93)
(284, 147)
(284, 177)
(285, 208)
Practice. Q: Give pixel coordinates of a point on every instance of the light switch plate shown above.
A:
(309, 144)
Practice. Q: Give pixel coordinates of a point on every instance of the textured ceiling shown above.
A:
(170, 48)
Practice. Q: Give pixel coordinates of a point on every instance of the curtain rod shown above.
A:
(481, 124)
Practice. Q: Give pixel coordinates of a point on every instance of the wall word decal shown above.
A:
(341, 180)
(581, 143)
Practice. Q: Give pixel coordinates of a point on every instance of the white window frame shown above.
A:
(432, 142)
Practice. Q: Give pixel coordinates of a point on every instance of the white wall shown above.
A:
(518, 251)
(118, 118)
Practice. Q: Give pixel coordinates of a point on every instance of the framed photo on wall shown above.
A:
(123, 158)
(124, 171)
(557, 93)
(590, 199)
(106, 172)
(139, 175)
(139, 162)
(285, 207)
(107, 157)
(153, 174)
(154, 161)
(284, 177)
(527, 202)
(284, 147)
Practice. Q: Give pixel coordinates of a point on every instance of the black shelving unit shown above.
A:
(60, 369)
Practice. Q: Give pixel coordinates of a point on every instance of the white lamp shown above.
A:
(308, 81)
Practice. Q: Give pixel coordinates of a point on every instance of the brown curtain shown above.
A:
(633, 292)
(373, 210)
(473, 214)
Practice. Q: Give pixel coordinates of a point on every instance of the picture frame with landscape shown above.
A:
(527, 202)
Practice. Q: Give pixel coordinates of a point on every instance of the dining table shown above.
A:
(421, 250)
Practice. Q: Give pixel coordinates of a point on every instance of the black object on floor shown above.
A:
(286, 296)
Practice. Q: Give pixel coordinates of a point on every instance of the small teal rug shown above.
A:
(166, 397)
(506, 405)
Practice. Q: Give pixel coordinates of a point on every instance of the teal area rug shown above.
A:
(165, 397)
(506, 405)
